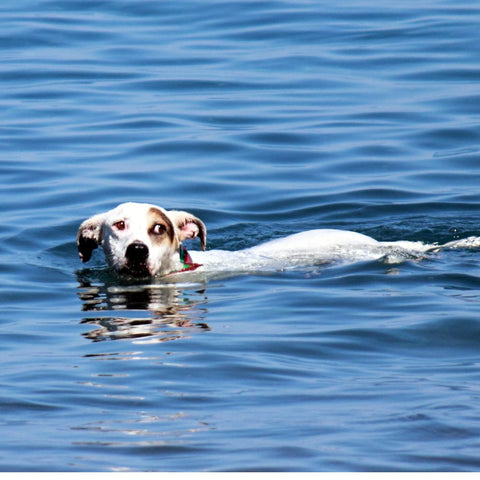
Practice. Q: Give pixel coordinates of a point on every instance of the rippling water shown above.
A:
(264, 118)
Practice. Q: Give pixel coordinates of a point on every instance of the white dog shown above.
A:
(143, 240)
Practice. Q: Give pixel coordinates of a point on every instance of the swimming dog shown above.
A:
(144, 240)
(141, 240)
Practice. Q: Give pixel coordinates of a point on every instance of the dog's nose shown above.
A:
(137, 252)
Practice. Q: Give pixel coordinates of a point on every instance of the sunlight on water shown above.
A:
(264, 119)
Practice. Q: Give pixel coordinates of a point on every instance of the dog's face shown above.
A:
(139, 239)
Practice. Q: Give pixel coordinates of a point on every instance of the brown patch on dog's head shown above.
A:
(160, 226)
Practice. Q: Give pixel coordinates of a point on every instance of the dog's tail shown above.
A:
(464, 243)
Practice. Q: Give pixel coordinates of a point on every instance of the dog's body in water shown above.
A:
(144, 241)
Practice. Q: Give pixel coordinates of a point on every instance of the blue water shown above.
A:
(264, 118)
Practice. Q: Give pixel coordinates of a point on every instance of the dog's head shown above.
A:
(140, 239)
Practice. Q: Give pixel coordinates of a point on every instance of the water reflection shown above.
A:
(153, 312)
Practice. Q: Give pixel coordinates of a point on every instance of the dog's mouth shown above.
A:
(137, 270)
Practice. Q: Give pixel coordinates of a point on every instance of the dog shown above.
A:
(142, 240)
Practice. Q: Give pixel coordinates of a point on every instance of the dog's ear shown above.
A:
(89, 236)
(189, 226)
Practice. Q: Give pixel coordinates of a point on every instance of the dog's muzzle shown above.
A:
(136, 255)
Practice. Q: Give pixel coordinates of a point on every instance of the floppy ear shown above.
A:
(189, 226)
(89, 236)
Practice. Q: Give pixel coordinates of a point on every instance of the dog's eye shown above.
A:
(158, 229)
(120, 225)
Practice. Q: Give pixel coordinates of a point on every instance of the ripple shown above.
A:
(264, 119)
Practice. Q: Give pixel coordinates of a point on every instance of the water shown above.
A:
(264, 118)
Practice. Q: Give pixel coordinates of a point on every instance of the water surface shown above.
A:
(263, 118)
